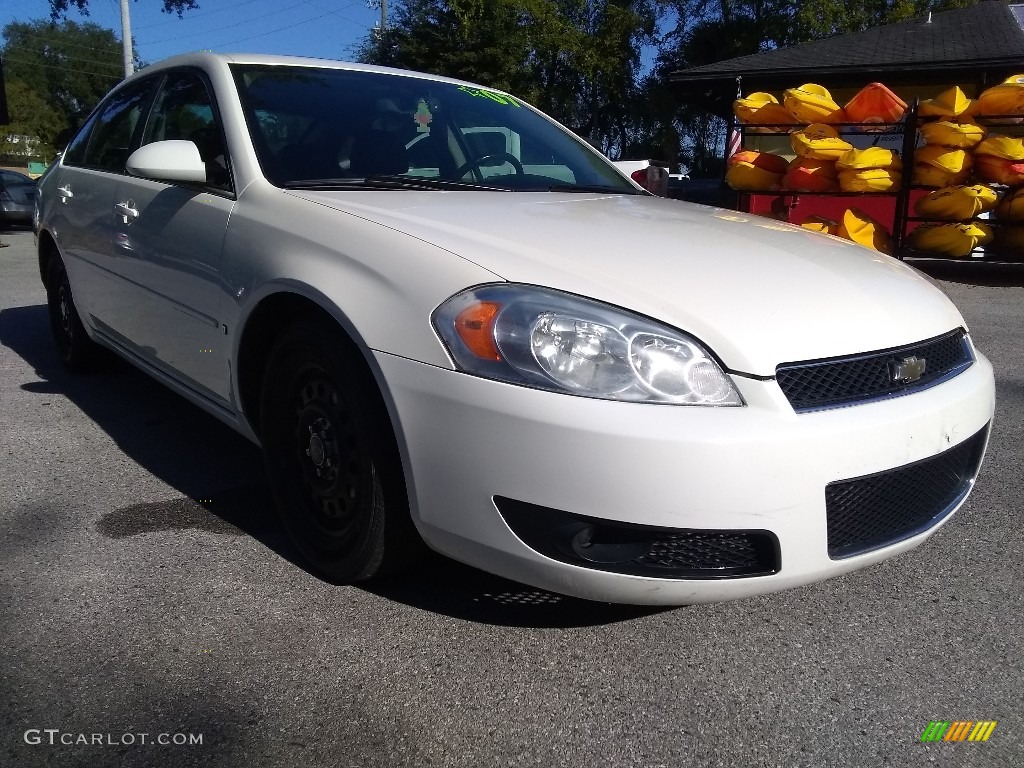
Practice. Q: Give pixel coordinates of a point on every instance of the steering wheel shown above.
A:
(475, 164)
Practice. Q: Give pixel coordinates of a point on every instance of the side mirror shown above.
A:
(172, 160)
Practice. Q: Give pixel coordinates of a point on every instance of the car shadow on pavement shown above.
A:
(224, 489)
(444, 586)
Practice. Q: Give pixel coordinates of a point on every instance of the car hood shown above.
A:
(756, 291)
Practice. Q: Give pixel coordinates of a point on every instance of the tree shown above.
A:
(67, 67)
(59, 8)
(577, 60)
(31, 116)
(705, 32)
(481, 42)
(815, 19)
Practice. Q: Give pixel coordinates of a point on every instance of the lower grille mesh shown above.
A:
(877, 510)
(641, 550)
(711, 550)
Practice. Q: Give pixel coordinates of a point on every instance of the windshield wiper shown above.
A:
(427, 182)
(382, 181)
(601, 188)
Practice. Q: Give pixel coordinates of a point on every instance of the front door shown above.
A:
(168, 240)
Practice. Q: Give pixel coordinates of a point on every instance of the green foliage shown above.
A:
(815, 19)
(31, 116)
(59, 8)
(57, 73)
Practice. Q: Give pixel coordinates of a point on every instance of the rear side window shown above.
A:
(106, 139)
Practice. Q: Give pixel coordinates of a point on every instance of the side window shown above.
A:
(75, 153)
(106, 140)
(183, 110)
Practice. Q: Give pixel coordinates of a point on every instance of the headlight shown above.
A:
(542, 338)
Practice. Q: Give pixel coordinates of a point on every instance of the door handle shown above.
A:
(127, 210)
(65, 193)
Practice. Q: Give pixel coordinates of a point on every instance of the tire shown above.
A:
(332, 459)
(76, 350)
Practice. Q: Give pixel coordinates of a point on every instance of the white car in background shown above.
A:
(652, 175)
(477, 350)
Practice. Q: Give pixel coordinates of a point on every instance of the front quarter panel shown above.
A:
(380, 284)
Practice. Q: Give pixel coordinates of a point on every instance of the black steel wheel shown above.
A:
(332, 458)
(77, 351)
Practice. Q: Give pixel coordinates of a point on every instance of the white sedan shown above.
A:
(447, 319)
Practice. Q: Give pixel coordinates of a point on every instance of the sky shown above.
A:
(330, 29)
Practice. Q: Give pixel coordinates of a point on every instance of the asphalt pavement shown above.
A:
(152, 614)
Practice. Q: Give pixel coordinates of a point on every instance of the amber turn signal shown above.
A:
(475, 326)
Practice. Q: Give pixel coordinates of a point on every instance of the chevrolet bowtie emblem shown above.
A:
(907, 370)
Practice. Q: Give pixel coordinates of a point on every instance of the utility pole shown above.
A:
(126, 39)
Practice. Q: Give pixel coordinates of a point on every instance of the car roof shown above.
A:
(207, 58)
(18, 177)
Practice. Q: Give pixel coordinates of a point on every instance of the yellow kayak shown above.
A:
(950, 103)
(820, 224)
(872, 157)
(957, 203)
(807, 174)
(1007, 98)
(1011, 207)
(929, 176)
(946, 158)
(812, 103)
(1009, 242)
(870, 180)
(950, 239)
(756, 171)
(763, 109)
(938, 166)
(952, 134)
(999, 170)
(1001, 146)
(819, 141)
(864, 230)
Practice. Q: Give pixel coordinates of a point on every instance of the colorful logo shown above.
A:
(959, 730)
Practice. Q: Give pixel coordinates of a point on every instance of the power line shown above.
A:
(63, 69)
(226, 26)
(73, 60)
(273, 31)
(61, 43)
(199, 15)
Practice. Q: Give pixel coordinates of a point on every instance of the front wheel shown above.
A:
(332, 458)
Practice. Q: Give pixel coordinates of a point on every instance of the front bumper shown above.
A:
(466, 440)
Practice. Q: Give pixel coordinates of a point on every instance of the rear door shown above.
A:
(168, 239)
(81, 197)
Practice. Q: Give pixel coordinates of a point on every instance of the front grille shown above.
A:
(878, 510)
(641, 550)
(845, 381)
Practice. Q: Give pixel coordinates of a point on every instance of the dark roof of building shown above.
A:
(971, 44)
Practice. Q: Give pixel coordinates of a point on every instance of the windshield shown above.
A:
(330, 127)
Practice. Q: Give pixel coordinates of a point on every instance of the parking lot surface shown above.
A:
(148, 598)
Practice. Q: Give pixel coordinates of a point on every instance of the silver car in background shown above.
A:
(17, 197)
